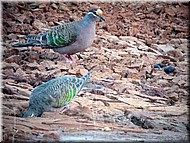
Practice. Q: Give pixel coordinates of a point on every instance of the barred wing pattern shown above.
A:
(58, 92)
(59, 36)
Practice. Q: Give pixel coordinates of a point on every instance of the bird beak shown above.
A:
(101, 17)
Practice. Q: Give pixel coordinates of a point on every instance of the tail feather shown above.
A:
(25, 44)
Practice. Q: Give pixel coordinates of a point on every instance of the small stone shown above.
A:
(169, 69)
(112, 38)
(126, 74)
(54, 6)
(163, 47)
(33, 66)
(184, 40)
(157, 67)
(162, 41)
(161, 65)
(170, 11)
(51, 23)
(48, 65)
(162, 82)
(39, 25)
(11, 52)
(116, 76)
(106, 129)
(175, 53)
(20, 72)
(37, 49)
(8, 72)
(9, 65)
(33, 56)
(134, 31)
(12, 36)
(13, 59)
(181, 28)
(128, 38)
(83, 71)
(63, 8)
(122, 43)
(148, 76)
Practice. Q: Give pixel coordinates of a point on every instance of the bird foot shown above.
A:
(63, 109)
(69, 59)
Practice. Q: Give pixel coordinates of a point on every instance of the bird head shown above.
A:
(32, 113)
(97, 13)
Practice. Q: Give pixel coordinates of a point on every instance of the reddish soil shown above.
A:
(129, 107)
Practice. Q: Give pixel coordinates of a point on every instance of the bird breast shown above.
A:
(84, 40)
(86, 37)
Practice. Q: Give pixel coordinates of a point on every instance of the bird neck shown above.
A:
(88, 19)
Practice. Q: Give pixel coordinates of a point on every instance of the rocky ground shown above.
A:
(137, 102)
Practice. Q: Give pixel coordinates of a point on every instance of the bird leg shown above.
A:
(63, 109)
(68, 58)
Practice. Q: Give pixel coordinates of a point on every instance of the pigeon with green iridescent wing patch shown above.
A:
(69, 38)
(58, 92)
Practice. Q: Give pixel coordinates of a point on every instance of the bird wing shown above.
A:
(59, 36)
(57, 92)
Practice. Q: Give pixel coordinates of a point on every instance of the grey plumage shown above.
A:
(68, 38)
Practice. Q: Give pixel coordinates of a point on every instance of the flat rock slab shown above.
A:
(121, 136)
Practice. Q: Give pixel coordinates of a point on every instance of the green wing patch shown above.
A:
(58, 39)
(71, 94)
